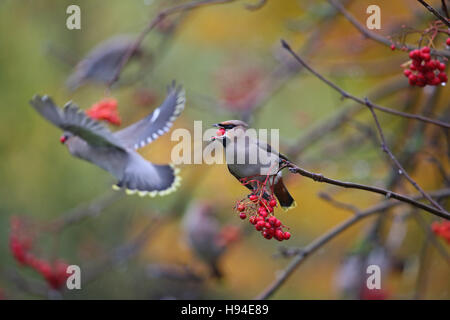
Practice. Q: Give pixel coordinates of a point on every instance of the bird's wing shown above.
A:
(155, 124)
(74, 120)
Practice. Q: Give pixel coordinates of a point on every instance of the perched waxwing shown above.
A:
(248, 158)
(90, 140)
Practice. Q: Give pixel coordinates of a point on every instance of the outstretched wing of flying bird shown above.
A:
(74, 120)
(155, 124)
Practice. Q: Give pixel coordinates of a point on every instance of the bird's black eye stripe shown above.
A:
(228, 126)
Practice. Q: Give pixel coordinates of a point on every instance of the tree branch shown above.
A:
(303, 253)
(402, 170)
(365, 102)
(435, 12)
(389, 194)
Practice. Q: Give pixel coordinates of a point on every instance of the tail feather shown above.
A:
(284, 197)
(145, 178)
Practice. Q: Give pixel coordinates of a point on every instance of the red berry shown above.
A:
(242, 216)
(252, 220)
(272, 220)
(392, 47)
(441, 66)
(425, 50)
(262, 212)
(407, 72)
(425, 56)
(429, 75)
(279, 235)
(436, 81)
(443, 77)
(448, 41)
(267, 235)
(287, 235)
(268, 225)
(258, 227)
(261, 224)
(277, 223)
(241, 207)
(273, 203)
(253, 198)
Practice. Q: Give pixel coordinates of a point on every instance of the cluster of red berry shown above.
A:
(261, 216)
(20, 242)
(106, 110)
(423, 70)
(442, 229)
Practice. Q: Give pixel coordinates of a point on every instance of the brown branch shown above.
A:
(374, 36)
(153, 23)
(303, 253)
(402, 170)
(365, 102)
(444, 8)
(435, 12)
(389, 194)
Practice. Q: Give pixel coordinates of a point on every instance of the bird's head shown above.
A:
(230, 128)
(64, 137)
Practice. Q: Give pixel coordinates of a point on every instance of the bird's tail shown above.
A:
(284, 197)
(145, 178)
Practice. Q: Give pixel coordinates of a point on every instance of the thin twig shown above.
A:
(338, 204)
(402, 170)
(303, 253)
(365, 102)
(444, 8)
(435, 12)
(335, 121)
(374, 36)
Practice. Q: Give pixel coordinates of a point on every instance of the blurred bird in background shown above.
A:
(206, 237)
(101, 63)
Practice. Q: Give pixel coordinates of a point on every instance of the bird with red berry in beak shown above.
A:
(88, 139)
(254, 162)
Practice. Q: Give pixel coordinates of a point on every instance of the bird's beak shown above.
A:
(216, 125)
